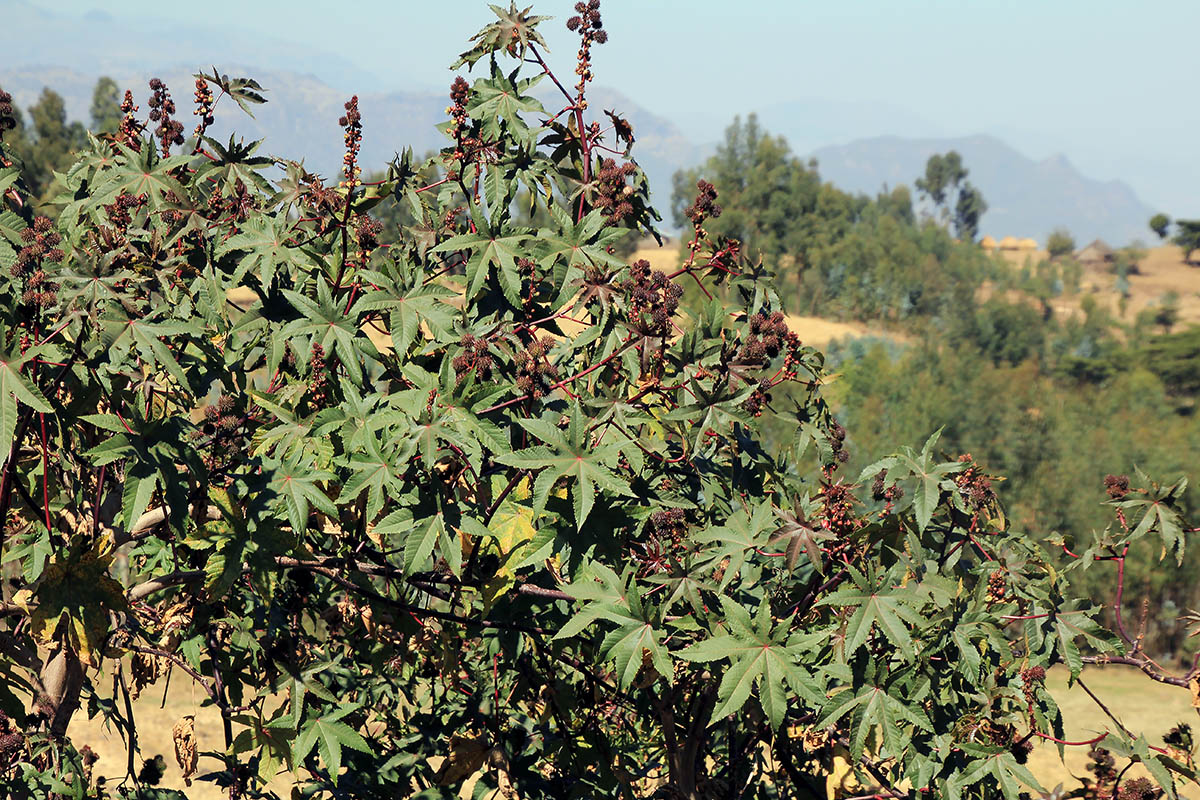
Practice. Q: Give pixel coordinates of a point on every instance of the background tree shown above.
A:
(969, 208)
(1060, 243)
(1160, 224)
(50, 142)
(943, 175)
(945, 185)
(1187, 237)
(106, 106)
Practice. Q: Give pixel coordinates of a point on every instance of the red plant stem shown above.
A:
(54, 333)
(1084, 743)
(96, 502)
(561, 383)
(1120, 591)
(45, 472)
(433, 185)
(546, 69)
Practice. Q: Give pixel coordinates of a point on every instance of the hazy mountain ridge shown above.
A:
(300, 117)
(1026, 197)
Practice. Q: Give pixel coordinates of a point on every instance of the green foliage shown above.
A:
(106, 106)
(488, 505)
(1160, 224)
(1060, 243)
(1187, 236)
(836, 254)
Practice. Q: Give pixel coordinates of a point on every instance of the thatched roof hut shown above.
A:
(1027, 244)
(1009, 243)
(988, 243)
(1098, 252)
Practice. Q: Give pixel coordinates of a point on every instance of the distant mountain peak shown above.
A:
(1026, 198)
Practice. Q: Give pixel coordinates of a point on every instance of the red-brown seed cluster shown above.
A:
(527, 268)
(467, 143)
(41, 247)
(759, 398)
(1117, 486)
(120, 210)
(534, 373)
(838, 517)
(12, 743)
(837, 441)
(997, 587)
(129, 132)
(8, 117)
(769, 334)
(974, 486)
(460, 93)
(705, 207)
(1102, 765)
(352, 122)
(169, 131)
(366, 239)
(474, 358)
(881, 492)
(1137, 789)
(204, 106)
(612, 192)
(652, 299)
(222, 428)
(1031, 679)
(237, 205)
(323, 201)
(318, 377)
(591, 30)
(665, 538)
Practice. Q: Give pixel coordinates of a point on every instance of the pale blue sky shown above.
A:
(1109, 83)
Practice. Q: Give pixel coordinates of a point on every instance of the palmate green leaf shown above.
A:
(873, 708)
(408, 309)
(1067, 626)
(374, 473)
(16, 389)
(142, 171)
(575, 246)
(325, 321)
(760, 655)
(499, 102)
(742, 534)
(420, 535)
(119, 330)
(999, 768)
(297, 481)
(513, 28)
(617, 599)
(491, 248)
(262, 245)
(879, 605)
(329, 735)
(569, 456)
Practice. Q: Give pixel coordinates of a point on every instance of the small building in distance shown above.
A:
(988, 243)
(1009, 243)
(1096, 254)
(1027, 244)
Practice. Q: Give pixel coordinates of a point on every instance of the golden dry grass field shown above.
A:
(1141, 704)
(1163, 270)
